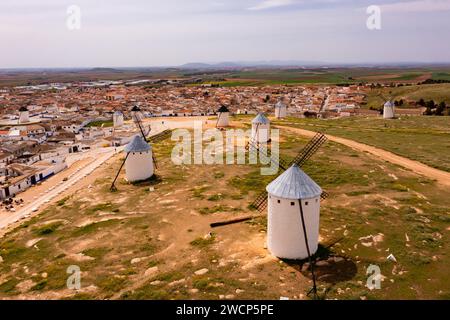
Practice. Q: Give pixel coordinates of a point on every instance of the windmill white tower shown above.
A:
(223, 117)
(118, 119)
(280, 110)
(136, 114)
(293, 215)
(389, 110)
(139, 160)
(260, 129)
(24, 115)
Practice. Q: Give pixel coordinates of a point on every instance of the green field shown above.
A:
(337, 75)
(268, 77)
(239, 77)
(425, 139)
(100, 124)
(437, 92)
(441, 76)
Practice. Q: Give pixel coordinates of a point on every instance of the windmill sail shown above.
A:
(218, 119)
(303, 156)
(113, 185)
(155, 163)
(309, 150)
(253, 147)
(160, 136)
(136, 116)
(255, 137)
(260, 202)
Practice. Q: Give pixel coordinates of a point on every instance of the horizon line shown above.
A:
(243, 64)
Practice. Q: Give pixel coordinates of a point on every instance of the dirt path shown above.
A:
(440, 176)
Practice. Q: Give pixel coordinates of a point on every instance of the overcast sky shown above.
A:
(34, 33)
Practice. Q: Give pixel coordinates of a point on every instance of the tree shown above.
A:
(428, 112)
(441, 108)
(421, 102)
(430, 104)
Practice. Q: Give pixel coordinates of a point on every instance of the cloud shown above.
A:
(268, 4)
(418, 6)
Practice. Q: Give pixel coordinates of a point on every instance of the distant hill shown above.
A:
(108, 70)
(196, 65)
(247, 64)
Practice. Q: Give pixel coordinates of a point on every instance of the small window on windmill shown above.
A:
(292, 203)
(279, 201)
(306, 203)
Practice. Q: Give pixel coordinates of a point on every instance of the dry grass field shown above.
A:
(153, 240)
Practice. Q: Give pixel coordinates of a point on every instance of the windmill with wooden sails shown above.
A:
(140, 162)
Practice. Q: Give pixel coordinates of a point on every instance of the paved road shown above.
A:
(26, 211)
(442, 177)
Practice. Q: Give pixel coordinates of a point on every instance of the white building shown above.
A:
(261, 129)
(118, 119)
(139, 163)
(389, 110)
(280, 110)
(24, 176)
(223, 117)
(136, 114)
(24, 115)
(73, 127)
(285, 236)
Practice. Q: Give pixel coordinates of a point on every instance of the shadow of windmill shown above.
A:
(330, 269)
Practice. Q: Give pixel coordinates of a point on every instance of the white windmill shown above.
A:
(223, 117)
(260, 129)
(293, 215)
(280, 110)
(389, 110)
(118, 119)
(24, 115)
(139, 160)
(293, 203)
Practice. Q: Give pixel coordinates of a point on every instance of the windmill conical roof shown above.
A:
(261, 119)
(23, 109)
(136, 109)
(389, 104)
(294, 184)
(118, 113)
(223, 109)
(137, 144)
(280, 104)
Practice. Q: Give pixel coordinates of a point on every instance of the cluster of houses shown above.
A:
(41, 125)
(32, 151)
(76, 102)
